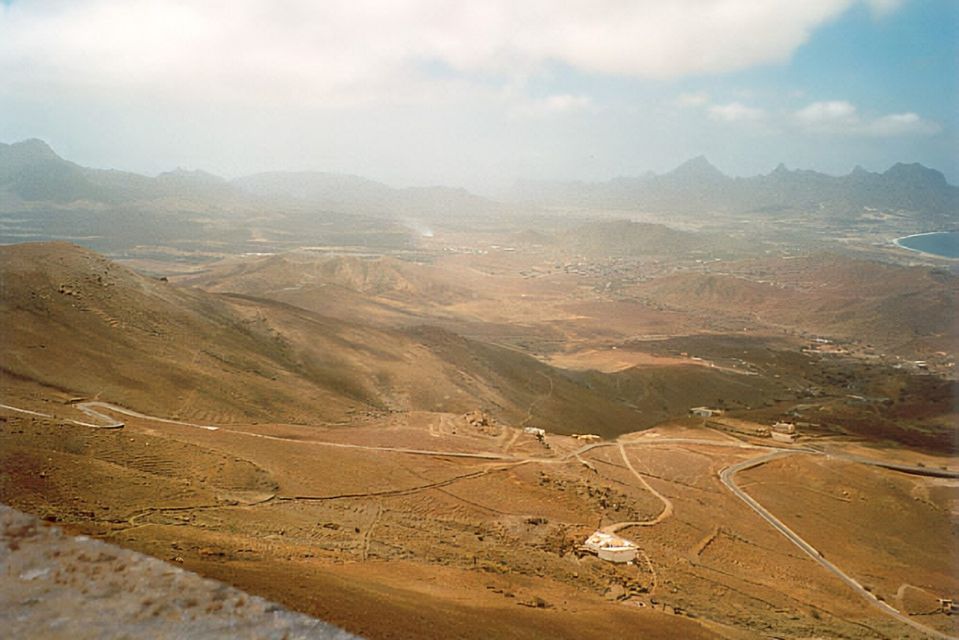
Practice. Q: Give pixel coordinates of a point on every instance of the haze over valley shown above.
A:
(575, 398)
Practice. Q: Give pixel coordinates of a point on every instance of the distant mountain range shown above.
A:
(31, 172)
(696, 186)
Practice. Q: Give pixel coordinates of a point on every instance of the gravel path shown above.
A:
(55, 586)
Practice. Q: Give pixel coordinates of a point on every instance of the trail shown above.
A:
(369, 532)
(652, 571)
(383, 493)
(133, 520)
(667, 503)
(726, 476)
(532, 405)
(509, 445)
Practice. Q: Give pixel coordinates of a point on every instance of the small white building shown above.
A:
(535, 431)
(779, 436)
(784, 427)
(586, 437)
(610, 547)
(705, 412)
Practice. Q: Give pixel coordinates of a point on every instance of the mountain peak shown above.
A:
(915, 173)
(697, 168)
(30, 150)
(780, 170)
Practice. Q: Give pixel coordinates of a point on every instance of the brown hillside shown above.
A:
(76, 321)
(303, 270)
(903, 308)
(73, 320)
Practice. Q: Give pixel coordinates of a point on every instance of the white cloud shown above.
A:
(898, 124)
(842, 117)
(306, 53)
(555, 104)
(735, 112)
(828, 114)
(697, 99)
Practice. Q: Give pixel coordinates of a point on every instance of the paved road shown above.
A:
(728, 475)
(932, 472)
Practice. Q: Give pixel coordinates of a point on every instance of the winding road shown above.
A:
(726, 476)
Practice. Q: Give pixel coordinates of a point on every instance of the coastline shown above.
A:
(897, 242)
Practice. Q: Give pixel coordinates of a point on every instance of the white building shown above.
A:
(611, 547)
(586, 437)
(784, 427)
(705, 412)
(535, 431)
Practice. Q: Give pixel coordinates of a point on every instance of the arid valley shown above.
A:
(410, 429)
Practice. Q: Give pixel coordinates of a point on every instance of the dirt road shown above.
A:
(667, 504)
(727, 477)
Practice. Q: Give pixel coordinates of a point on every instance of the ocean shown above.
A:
(944, 243)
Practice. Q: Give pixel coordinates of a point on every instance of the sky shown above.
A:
(479, 94)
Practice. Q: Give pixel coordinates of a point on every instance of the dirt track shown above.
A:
(508, 461)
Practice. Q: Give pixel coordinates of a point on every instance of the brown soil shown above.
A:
(376, 473)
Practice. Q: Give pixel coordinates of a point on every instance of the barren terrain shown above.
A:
(345, 435)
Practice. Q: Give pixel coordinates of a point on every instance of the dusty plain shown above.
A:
(344, 434)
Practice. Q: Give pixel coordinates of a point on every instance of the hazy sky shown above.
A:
(479, 93)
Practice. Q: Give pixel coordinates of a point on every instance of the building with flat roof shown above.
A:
(705, 412)
(610, 547)
(784, 427)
